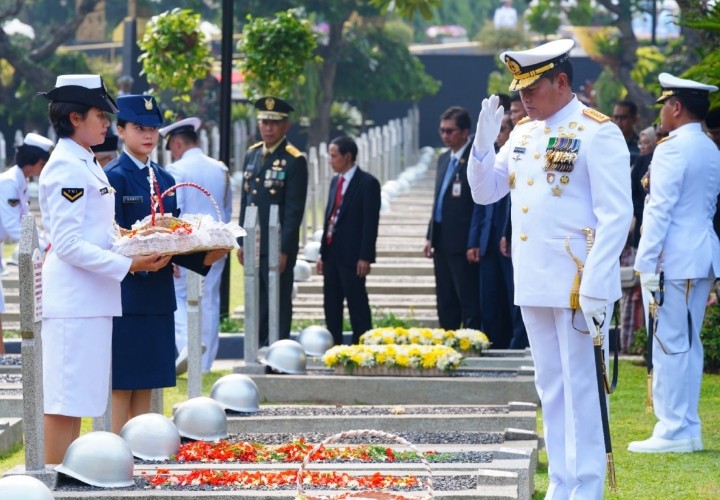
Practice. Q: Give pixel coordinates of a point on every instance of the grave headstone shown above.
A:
(251, 246)
(30, 282)
(194, 321)
(274, 275)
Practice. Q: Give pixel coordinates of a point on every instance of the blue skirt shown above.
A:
(143, 352)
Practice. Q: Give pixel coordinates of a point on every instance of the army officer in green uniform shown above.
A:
(275, 173)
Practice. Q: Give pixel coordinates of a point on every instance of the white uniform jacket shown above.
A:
(677, 233)
(14, 203)
(195, 166)
(81, 275)
(551, 206)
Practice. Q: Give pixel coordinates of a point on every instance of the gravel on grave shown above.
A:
(351, 411)
(458, 437)
(440, 483)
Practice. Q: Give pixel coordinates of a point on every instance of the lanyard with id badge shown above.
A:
(456, 186)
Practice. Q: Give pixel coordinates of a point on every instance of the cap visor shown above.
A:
(523, 83)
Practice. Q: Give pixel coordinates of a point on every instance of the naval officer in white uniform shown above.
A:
(567, 168)
(81, 276)
(192, 165)
(678, 239)
(30, 158)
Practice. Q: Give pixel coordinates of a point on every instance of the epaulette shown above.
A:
(256, 145)
(524, 119)
(596, 115)
(666, 138)
(293, 150)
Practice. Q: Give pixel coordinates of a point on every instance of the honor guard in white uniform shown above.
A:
(678, 240)
(30, 158)
(192, 165)
(567, 169)
(81, 275)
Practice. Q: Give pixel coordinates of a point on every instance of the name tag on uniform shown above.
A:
(132, 199)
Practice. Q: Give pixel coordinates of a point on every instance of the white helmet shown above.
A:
(237, 392)
(302, 271)
(151, 436)
(202, 419)
(311, 252)
(286, 356)
(24, 488)
(100, 459)
(315, 340)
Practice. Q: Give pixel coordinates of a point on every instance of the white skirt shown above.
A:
(77, 354)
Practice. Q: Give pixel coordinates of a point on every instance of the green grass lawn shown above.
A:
(639, 476)
(655, 476)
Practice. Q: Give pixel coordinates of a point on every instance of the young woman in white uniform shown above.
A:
(81, 275)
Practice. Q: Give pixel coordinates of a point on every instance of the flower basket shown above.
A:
(388, 371)
(467, 341)
(167, 235)
(372, 494)
(404, 360)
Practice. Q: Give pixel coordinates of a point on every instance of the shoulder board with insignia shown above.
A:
(256, 145)
(524, 119)
(596, 115)
(293, 150)
(666, 138)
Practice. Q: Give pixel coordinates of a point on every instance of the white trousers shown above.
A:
(566, 382)
(210, 312)
(677, 373)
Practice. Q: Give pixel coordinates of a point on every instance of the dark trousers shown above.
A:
(456, 289)
(286, 287)
(494, 302)
(342, 282)
(519, 338)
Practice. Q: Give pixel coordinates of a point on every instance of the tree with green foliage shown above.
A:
(706, 22)
(543, 18)
(335, 14)
(375, 65)
(174, 53)
(28, 66)
(275, 53)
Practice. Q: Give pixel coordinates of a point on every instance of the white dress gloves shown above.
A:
(593, 308)
(488, 125)
(650, 281)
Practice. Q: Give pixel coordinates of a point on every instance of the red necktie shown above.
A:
(336, 207)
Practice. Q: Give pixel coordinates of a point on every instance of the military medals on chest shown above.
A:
(561, 153)
(518, 153)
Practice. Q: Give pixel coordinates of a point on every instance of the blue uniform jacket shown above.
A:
(146, 293)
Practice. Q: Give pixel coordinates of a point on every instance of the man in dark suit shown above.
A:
(348, 244)
(449, 240)
(275, 173)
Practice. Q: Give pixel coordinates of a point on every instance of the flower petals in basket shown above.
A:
(171, 236)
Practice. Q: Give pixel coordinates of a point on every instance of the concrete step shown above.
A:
(378, 287)
(417, 302)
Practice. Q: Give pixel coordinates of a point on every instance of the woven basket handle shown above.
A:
(196, 186)
(364, 432)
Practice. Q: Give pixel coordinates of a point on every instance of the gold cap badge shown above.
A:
(270, 103)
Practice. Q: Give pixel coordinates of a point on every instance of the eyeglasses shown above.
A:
(617, 118)
(447, 131)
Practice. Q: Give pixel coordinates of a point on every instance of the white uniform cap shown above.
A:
(674, 86)
(88, 90)
(38, 141)
(87, 81)
(527, 66)
(191, 124)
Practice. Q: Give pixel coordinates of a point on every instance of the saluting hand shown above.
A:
(488, 124)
